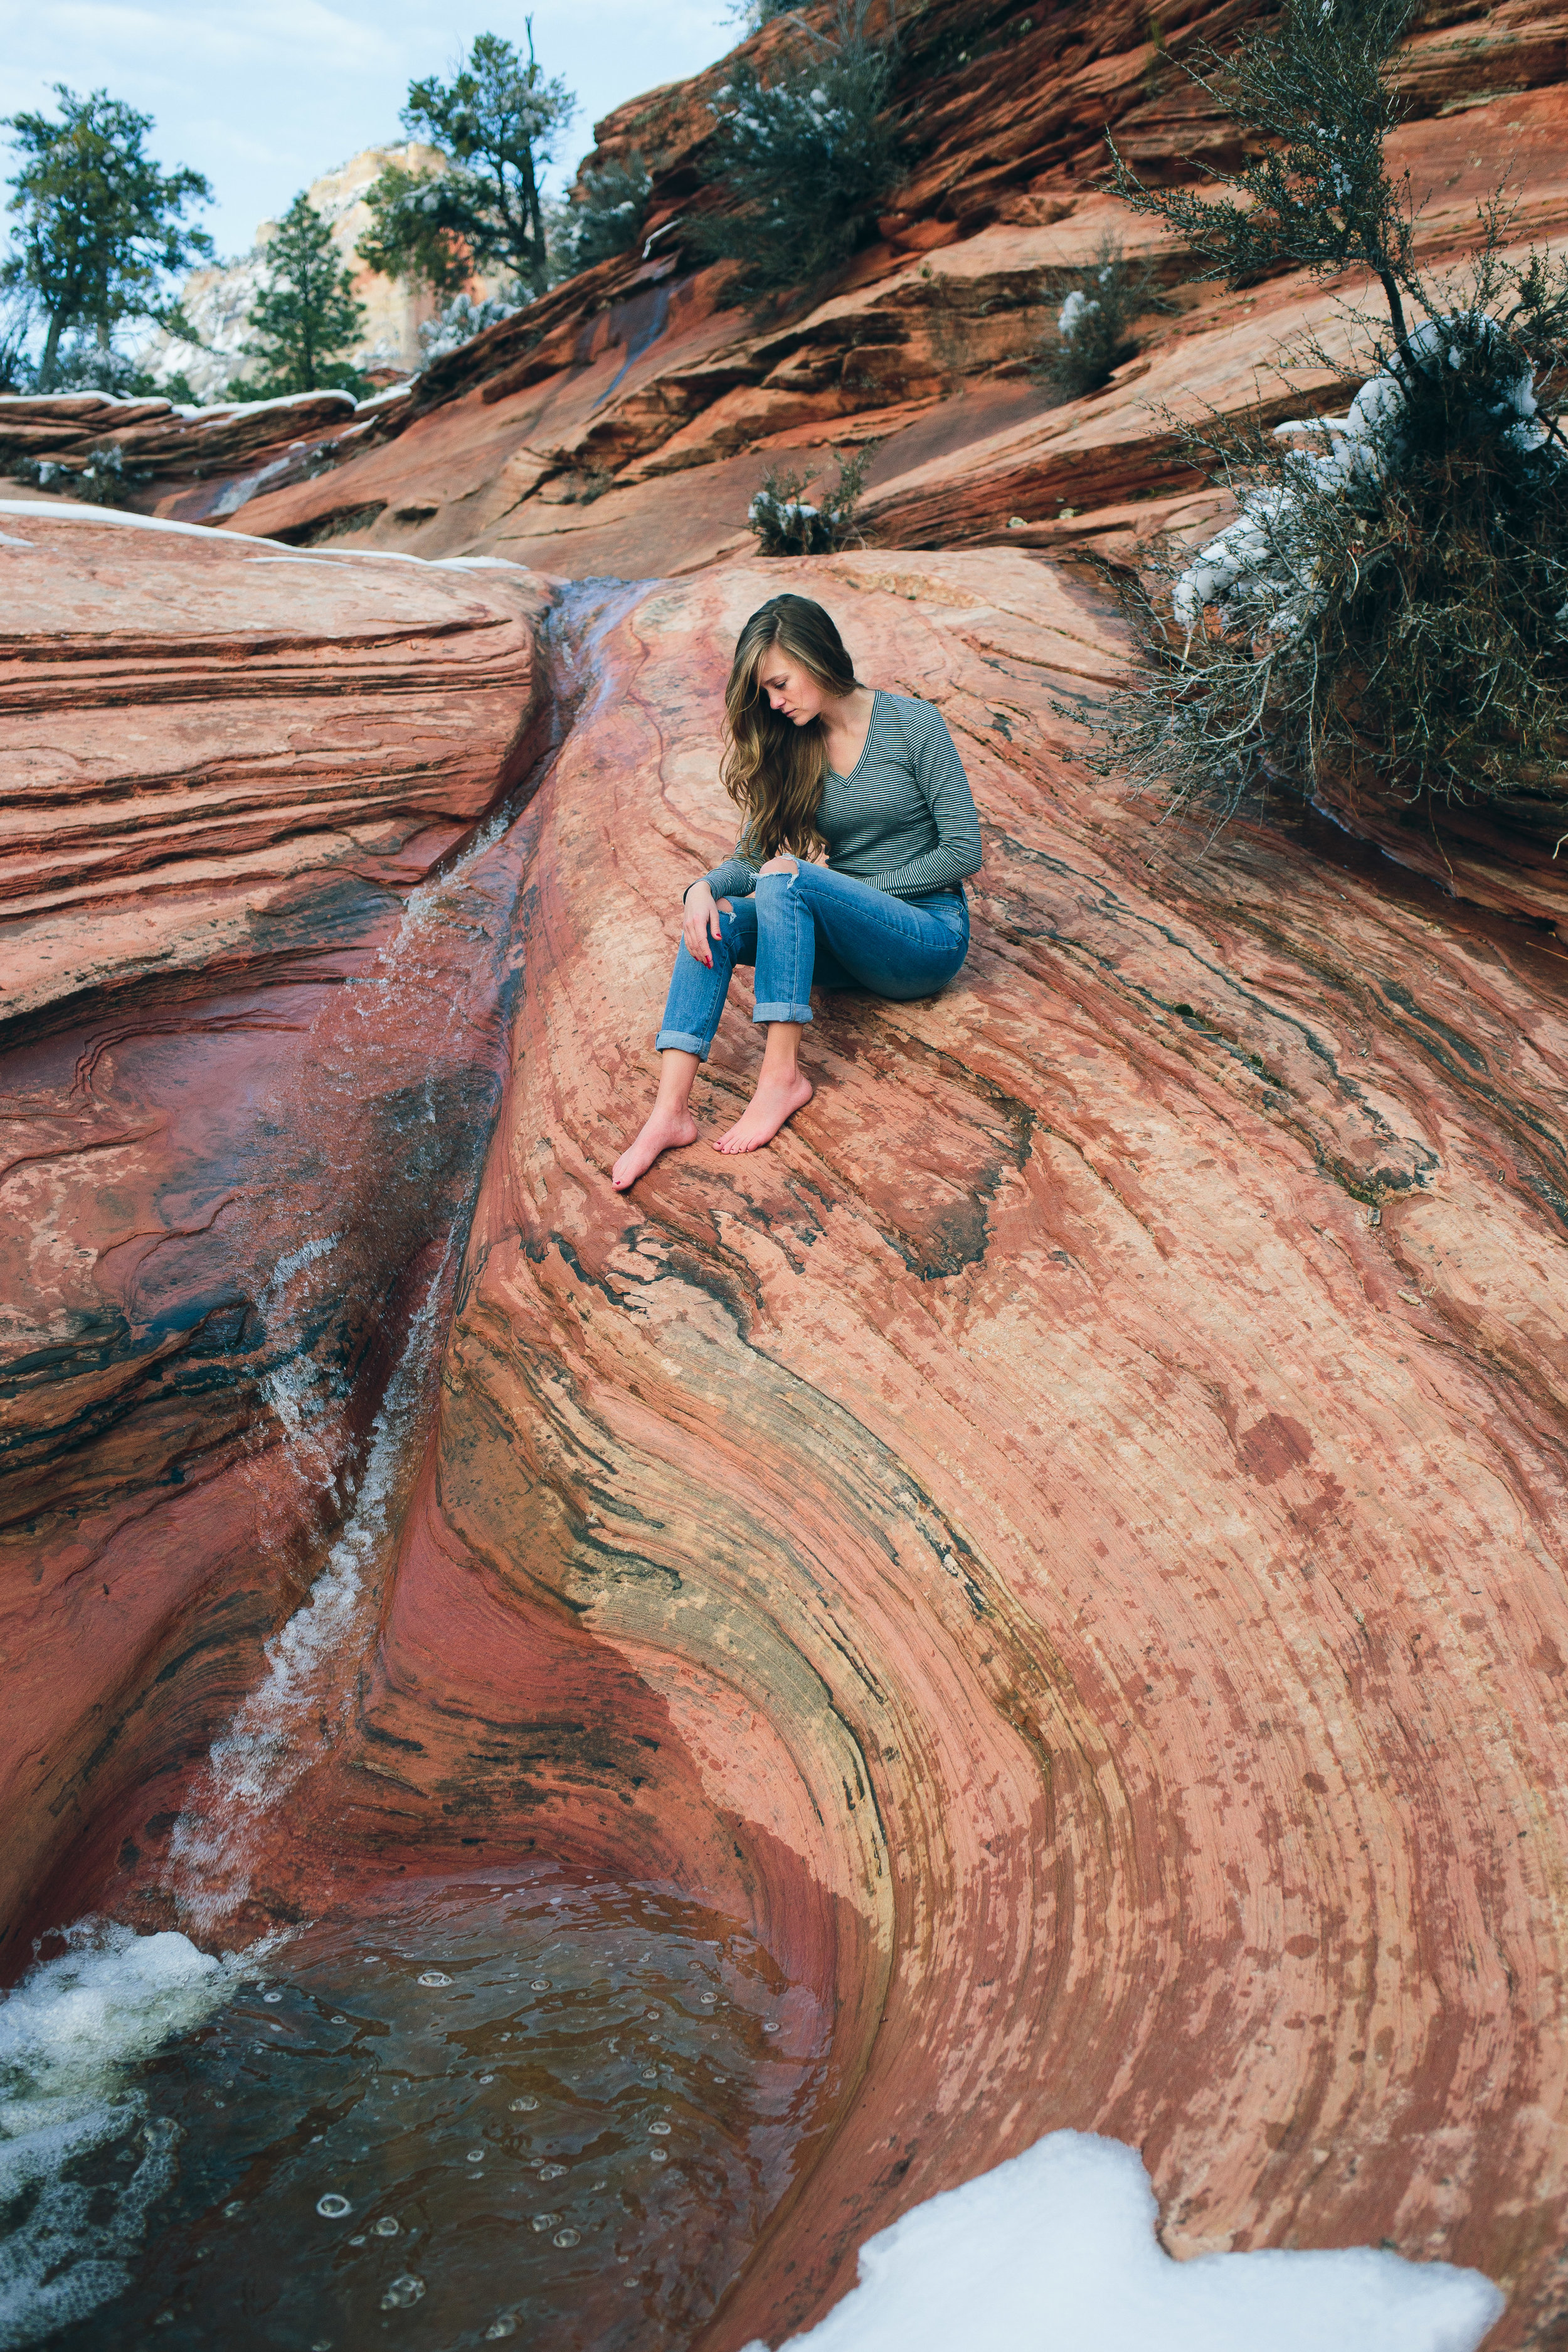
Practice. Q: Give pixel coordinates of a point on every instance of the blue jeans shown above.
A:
(815, 926)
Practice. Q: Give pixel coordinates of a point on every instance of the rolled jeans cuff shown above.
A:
(763, 1013)
(681, 1041)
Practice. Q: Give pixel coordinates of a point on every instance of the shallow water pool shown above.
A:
(536, 2107)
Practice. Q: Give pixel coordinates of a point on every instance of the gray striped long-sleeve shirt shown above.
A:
(903, 820)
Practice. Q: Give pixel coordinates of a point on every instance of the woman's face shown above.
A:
(791, 688)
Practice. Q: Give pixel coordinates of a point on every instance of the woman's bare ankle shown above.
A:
(668, 1127)
(777, 1099)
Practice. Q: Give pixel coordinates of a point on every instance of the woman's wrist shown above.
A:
(701, 883)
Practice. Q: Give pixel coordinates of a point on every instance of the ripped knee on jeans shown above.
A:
(724, 906)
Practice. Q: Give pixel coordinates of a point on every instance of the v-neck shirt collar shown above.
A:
(866, 746)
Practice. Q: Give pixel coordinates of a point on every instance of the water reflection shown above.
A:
(540, 2105)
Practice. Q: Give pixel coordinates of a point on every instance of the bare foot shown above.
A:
(663, 1131)
(775, 1100)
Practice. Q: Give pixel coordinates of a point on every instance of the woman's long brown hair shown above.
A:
(774, 771)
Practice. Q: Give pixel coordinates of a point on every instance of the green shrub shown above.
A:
(787, 523)
(807, 159)
(1092, 335)
(605, 217)
(99, 478)
(1388, 613)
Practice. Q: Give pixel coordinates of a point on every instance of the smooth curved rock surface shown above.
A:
(1115, 1440)
(1070, 1540)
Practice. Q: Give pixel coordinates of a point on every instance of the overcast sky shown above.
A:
(264, 97)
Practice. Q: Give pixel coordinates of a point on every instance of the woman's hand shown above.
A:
(783, 864)
(701, 921)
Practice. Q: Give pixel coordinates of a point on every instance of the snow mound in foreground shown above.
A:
(1055, 2251)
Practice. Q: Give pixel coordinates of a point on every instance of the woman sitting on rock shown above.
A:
(817, 762)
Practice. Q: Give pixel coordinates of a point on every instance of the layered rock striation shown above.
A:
(1068, 1541)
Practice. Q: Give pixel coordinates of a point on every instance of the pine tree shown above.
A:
(308, 320)
(494, 122)
(100, 223)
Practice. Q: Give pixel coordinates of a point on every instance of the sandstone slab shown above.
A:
(1079, 1526)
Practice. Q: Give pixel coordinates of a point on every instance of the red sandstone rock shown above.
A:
(1149, 1564)
(1030, 1537)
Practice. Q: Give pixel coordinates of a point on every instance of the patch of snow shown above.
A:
(388, 392)
(281, 400)
(1055, 2251)
(1074, 311)
(98, 399)
(76, 510)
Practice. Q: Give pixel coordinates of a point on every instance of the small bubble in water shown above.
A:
(770, 2028)
(652, 2012)
(476, 2156)
(487, 2078)
(358, 2241)
(387, 2227)
(271, 1995)
(545, 2221)
(236, 2205)
(567, 2238)
(650, 2073)
(435, 1976)
(552, 2171)
(540, 1984)
(337, 2020)
(401, 2292)
(661, 2131)
(523, 2106)
(505, 2326)
(658, 2155)
(331, 2207)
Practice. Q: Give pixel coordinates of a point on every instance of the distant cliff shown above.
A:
(216, 301)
